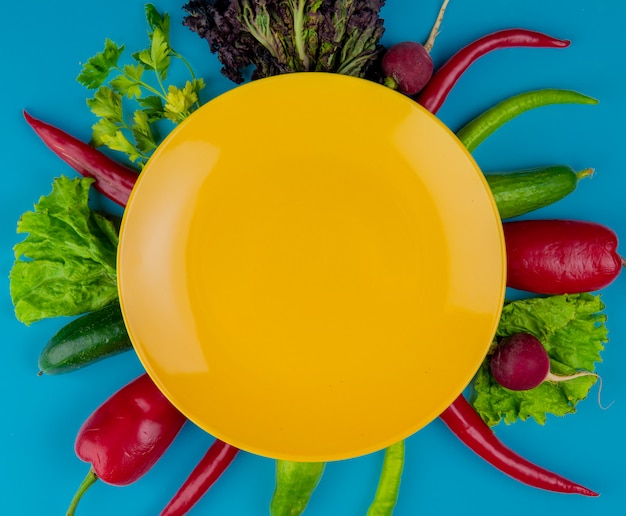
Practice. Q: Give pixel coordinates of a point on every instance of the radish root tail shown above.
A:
(557, 378)
(435, 30)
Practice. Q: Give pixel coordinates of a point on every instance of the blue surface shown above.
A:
(43, 45)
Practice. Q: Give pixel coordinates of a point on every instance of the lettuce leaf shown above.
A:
(573, 330)
(67, 263)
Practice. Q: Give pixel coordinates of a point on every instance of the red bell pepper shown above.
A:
(126, 435)
(554, 256)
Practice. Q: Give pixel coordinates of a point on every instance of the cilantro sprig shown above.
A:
(117, 86)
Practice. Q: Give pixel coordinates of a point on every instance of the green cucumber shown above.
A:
(523, 191)
(85, 340)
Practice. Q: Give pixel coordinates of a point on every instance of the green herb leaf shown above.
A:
(138, 139)
(160, 53)
(102, 131)
(180, 102)
(157, 21)
(66, 264)
(572, 329)
(107, 104)
(96, 70)
(129, 83)
(157, 57)
(119, 142)
(143, 133)
(152, 106)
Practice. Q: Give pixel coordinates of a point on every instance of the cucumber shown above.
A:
(523, 191)
(85, 340)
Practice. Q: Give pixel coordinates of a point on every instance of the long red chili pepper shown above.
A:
(126, 435)
(113, 180)
(554, 256)
(218, 457)
(468, 426)
(435, 92)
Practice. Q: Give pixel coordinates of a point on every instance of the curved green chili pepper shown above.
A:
(295, 483)
(478, 129)
(389, 483)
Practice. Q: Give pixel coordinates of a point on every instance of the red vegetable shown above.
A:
(467, 425)
(434, 94)
(407, 66)
(126, 435)
(521, 362)
(218, 457)
(113, 180)
(560, 256)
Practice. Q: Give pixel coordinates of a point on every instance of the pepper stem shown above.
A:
(85, 484)
(435, 30)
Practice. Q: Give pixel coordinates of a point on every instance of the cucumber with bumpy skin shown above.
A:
(523, 191)
(85, 340)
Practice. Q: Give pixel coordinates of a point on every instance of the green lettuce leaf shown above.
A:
(66, 265)
(573, 330)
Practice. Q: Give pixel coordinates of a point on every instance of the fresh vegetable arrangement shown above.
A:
(65, 266)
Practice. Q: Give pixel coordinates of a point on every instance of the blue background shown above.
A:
(43, 46)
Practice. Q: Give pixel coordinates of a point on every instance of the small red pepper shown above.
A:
(434, 94)
(468, 426)
(560, 256)
(113, 180)
(126, 435)
(215, 461)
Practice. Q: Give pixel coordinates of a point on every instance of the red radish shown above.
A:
(560, 256)
(521, 362)
(407, 66)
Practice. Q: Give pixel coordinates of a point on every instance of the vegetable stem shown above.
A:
(587, 172)
(87, 482)
(298, 34)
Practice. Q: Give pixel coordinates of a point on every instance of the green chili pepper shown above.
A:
(389, 483)
(478, 129)
(295, 483)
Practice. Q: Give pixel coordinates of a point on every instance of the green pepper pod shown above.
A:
(478, 129)
(522, 191)
(85, 340)
(295, 483)
(389, 483)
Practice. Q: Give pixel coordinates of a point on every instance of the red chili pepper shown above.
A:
(113, 180)
(560, 256)
(126, 435)
(434, 94)
(218, 457)
(468, 426)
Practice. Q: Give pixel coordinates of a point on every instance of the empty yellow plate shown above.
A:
(311, 267)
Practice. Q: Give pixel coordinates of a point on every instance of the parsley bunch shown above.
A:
(137, 136)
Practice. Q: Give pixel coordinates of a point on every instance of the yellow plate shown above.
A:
(311, 267)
